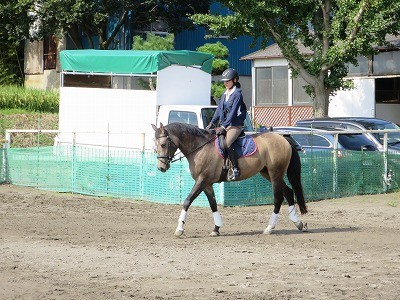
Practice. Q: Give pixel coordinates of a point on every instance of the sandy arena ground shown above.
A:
(63, 246)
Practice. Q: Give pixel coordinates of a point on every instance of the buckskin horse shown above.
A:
(274, 158)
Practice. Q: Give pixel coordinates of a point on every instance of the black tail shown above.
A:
(294, 176)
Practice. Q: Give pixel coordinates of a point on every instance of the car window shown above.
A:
(312, 140)
(393, 137)
(187, 117)
(355, 141)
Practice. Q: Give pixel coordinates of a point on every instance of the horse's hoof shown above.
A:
(215, 233)
(268, 230)
(178, 233)
(299, 225)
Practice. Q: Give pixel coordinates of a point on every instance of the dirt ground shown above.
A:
(63, 246)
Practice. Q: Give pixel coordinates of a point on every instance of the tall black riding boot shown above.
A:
(234, 159)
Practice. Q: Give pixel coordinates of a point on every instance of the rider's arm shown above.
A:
(218, 112)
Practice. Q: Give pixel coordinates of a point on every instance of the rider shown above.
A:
(231, 113)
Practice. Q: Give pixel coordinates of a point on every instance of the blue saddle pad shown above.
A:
(244, 146)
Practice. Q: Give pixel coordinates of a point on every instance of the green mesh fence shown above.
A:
(3, 166)
(133, 174)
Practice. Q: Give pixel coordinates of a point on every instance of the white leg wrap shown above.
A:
(273, 220)
(181, 220)
(217, 219)
(292, 214)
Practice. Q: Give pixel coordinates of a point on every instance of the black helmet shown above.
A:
(229, 74)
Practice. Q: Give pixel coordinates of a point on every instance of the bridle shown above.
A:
(170, 157)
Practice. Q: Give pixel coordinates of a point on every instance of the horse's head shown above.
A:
(164, 147)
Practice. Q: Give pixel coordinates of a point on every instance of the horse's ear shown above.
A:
(161, 128)
(154, 127)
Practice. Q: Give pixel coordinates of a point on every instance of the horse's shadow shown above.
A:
(295, 231)
(286, 232)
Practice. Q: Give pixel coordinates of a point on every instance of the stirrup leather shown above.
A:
(235, 174)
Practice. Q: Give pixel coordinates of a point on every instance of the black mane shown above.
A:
(183, 128)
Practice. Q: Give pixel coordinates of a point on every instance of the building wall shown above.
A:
(359, 101)
(35, 75)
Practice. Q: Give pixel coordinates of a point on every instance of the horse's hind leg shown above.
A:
(289, 195)
(278, 188)
(209, 191)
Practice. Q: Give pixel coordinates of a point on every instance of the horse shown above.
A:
(275, 157)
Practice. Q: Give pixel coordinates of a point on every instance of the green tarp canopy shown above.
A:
(131, 61)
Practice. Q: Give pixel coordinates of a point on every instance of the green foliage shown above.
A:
(335, 32)
(217, 89)
(220, 52)
(16, 97)
(220, 64)
(6, 77)
(218, 49)
(11, 63)
(153, 42)
(15, 21)
(100, 20)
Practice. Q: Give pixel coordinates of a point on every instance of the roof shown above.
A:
(274, 51)
(132, 61)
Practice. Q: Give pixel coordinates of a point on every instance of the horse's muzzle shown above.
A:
(164, 168)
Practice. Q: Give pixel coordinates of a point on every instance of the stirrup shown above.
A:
(235, 174)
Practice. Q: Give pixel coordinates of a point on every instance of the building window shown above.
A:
(387, 63)
(387, 90)
(300, 97)
(50, 52)
(361, 70)
(159, 28)
(272, 86)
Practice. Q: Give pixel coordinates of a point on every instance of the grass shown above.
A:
(22, 119)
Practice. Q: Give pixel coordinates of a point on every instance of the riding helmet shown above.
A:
(229, 74)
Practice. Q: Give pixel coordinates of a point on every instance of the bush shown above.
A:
(16, 97)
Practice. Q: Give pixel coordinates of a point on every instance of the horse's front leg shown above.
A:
(209, 191)
(196, 190)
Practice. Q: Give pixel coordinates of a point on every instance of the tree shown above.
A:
(152, 42)
(220, 52)
(336, 31)
(103, 19)
(14, 28)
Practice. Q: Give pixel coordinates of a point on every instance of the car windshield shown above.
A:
(207, 114)
(393, 137)
(355, 142)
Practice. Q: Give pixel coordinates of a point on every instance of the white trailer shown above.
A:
(103, 100)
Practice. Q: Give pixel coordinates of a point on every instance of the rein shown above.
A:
(170, 157)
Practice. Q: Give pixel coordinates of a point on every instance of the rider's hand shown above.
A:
(221, 131)
(209, 126)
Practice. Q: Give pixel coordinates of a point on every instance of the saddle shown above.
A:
(244, 146)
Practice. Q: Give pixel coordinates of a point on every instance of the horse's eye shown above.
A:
(163, 145)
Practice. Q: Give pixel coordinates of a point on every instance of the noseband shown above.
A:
(169, 155)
